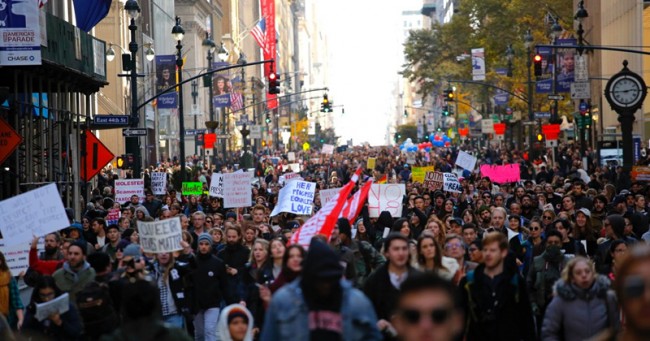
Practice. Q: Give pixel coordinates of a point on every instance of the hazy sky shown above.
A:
(365, 55)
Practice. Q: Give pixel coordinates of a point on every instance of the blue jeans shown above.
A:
(175, 320)
(205, 325)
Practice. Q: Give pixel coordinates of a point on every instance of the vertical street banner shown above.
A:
(21, 33)
(165, 78)
(270, 52)
(565, 73)
(221, 86)
(544, 83)
(500, 96)
(478, 64)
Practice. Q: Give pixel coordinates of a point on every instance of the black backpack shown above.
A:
(97, 310)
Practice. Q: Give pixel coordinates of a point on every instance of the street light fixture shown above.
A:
(177, 34)
(510, 54)
(223, 53)
(150, 53)
(528, 42)
(110, 53)
(580, 15)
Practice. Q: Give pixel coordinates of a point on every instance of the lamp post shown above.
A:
(177, 33)
(510, 55)
(528, 42)
(195, 94)
(223, 54)
(210, 47)
(132, 143)
(580, 15)
(244, 132)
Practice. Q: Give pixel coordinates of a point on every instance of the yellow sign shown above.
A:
(418, 173)
(305, 146)
(371, 163)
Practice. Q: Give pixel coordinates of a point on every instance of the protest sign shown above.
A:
(296, 197)
(159, 183)
(418, 173)
(237, 189)
(291, 156)
(465, 160)
(327, 149)
(59, 305)
(17, 256)
(327, 194)
(386, 197)
(37, 212)
(160, 236)
(371, 163)
(112, 216)
(124, 189)
(433, 181)
(216, 185)
(451, 183)
(501, 174)
(192, 188)
(294, 167)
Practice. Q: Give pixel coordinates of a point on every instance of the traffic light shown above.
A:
(445, 110)
(449, 95)
(406, 114)
(274, 83)
(268, 118)
(121, 162)
(540, 137)
(537, 61)
(326, 105)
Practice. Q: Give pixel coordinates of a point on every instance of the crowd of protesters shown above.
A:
(559, 255)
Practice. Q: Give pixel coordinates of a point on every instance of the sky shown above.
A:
(365, 50)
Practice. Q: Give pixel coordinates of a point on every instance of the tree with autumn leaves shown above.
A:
(431, 53)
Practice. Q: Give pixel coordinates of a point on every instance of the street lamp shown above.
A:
(244, 132)
(580, 15)
(177, 34)
(528, 43)
(510, 54)
(132, 143)
(210, 46)
(223, 54)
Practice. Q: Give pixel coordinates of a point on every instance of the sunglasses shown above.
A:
(438, 316)
(453, 246)
(547, 217)
(209, 221)
(535, 228)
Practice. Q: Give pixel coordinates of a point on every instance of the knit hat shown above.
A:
(237, 312)
(231, 215)
(133, 250)
(204, 237)
(82, 245)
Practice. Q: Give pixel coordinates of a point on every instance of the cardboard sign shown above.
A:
(451, 183)
(216, 185)
(466, 161)
(192, 188)
(124, 189)
(418, 173)
(501, 174)
(327, 194)
(296, 197)
(37, 212)
(327, 149)
(17, 256)
(159, 183)
(112, 216)
(160, 236)
(371, 163)
(59, 305)
(387, 197)
(433, 181)
(237, 189)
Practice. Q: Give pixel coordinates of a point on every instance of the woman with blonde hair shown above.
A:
(437, 228)
(583, 304)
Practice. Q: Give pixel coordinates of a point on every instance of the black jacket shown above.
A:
(207, 285)
(177, 281)
(500, 313)
(381, 292)
(70, 329)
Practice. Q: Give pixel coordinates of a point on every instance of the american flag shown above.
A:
(236, 101)
(259, 33)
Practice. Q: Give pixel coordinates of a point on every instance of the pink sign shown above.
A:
(501, 174)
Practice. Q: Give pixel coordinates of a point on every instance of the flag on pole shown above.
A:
(259, 33)
(353, 206)
(383, 179)
(236, 101)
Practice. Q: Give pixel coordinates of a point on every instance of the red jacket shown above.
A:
(43, 267)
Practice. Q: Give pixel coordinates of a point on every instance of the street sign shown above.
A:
(9, 140)
(256, 131)
(223, 136)
(97, 156)
(581, 71)
(542, 115)
(193, 132)
(551, 143)
(530, 123)
(195, 110)
(130, 132)
(111, 119)
(580, 90)
(555, 97)
(487, 126)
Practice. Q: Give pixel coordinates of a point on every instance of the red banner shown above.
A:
(268, 13)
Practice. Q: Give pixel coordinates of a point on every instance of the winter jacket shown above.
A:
(541, 278)
(236, 256)
(70, 329)
(207, 285)
(381, 291)
(175, 282)
(147, 329)
(579, 314)
(73, 282)
(366, 259)
(43, 267)
(288, 316)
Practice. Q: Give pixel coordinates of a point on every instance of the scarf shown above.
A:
(5, 280)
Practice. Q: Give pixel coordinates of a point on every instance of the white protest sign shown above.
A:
(291, 156)
(295, 167)
(296, 197)
(465, 160)
(17, 256)
(59, 305)
(125, 188)
(216, 185)
(386, 197)
(159, 183)
(451, 183)
(160, 236)
(327, 149)
(237, 189)
(327, 194)
(37, 212)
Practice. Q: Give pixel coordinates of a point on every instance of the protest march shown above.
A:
(367, 243)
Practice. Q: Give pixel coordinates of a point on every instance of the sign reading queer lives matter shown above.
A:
(160, 236)
(386, 197)
(124, 189)
(159, 183)
(237, 189)
(36, 212)
(296, 197)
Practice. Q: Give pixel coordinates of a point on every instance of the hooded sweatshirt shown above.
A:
(222, 325)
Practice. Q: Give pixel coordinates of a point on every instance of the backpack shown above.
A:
(96, 310)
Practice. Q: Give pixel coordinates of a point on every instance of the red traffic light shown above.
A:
(272, 76)
(537, 58)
